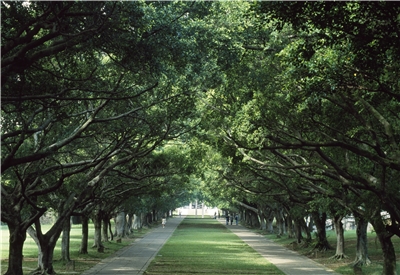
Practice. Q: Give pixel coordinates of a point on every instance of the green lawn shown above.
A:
(205, 246)
(343, 266)
(82, 262)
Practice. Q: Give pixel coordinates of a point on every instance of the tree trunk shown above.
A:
(32, 233)
(389, 255)
(149, 219)
(65, 241)
(270, 225)
(264, 213)
(129, 225)
(297, 228)
(137, 223)
(280, 222)
(47, 243)
(85, 235)
(310, 224)
(308, 232)
(304, 227)
(49, 240)
(362, 258)
(247, 217)
(16, 244)
(104, 232)
(320, 223)
(110, 229)
(143, 218)
(97, 231)
(120, 225)
(154, 214)
(263, 225)
(255, 222)
(252, 216)
(46, 263)
(290, 227)
(337, 219)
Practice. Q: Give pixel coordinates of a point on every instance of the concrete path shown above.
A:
(290, 262)
(135, 258)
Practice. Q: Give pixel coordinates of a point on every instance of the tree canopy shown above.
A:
(286, 109)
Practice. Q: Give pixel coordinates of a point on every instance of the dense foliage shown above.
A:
(285, 110)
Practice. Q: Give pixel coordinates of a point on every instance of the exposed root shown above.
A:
(361, 262)
(339, 257)
(322, 247)
(316, 248)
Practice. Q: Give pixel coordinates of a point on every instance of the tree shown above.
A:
(322, 104)
(79, 86)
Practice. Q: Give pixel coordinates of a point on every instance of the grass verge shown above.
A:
(82, 261)
(343, 266)
(205, 246)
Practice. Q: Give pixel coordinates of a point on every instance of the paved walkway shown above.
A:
(134, 259)
(290, 262)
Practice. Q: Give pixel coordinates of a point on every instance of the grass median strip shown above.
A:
(82, 261)
(204, 246)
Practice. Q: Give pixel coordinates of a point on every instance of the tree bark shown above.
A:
(290, 227)
(263, 225)
(65, 241)
(270, 225)
(120, 225)
(265, 216)
(304, 226)
(97, 231)
(280, 221)
(255, 222)
(297, 228)
(362, 258)
(320, 223)
(110, 229)
(389, 255)
(46, 263)
(47, 243)
(85, 235)
(337, 219)
(137, 223)
(129, 224)
(149, 219)
(246, 215)
(154, 214)
(143, 218)
(16, 244)
(104, 231)
(252, 217)
(310, 224)
(32, 233)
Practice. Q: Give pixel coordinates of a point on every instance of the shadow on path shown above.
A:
(288, 261)
(135, 258)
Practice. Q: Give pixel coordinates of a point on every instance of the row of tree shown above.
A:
(97, 98)
(286, 109)
(307, 124)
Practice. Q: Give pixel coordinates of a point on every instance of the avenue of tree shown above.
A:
(288, 112)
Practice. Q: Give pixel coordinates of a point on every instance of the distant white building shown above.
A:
(197, 209)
